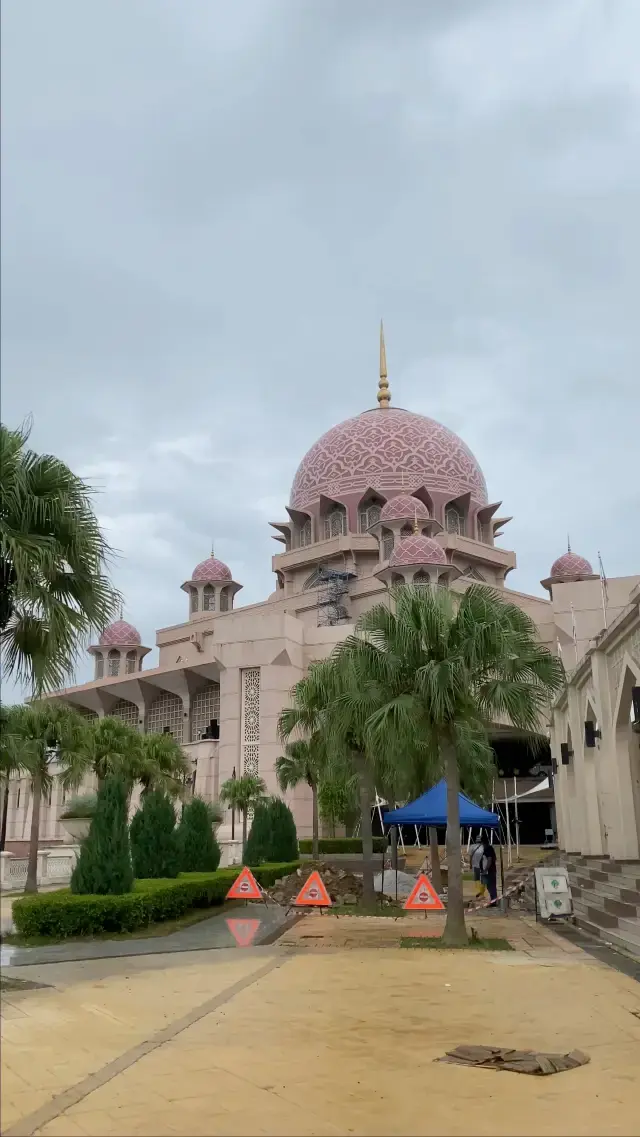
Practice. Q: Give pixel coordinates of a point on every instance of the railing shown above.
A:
(55, 867)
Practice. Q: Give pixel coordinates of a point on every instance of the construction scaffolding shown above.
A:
(333, 586)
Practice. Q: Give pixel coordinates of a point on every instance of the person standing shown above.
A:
(477, 854)
(488, 871)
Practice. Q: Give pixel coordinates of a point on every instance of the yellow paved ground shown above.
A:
(339, 1041)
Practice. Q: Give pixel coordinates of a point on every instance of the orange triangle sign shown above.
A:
(313, 894)
(423, 897)
(245, 887)
(243, 931)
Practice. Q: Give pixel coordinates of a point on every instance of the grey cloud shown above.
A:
(208, 206)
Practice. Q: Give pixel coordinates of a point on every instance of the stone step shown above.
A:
(620, 902)
(609, 936)
(617, 880)
(630, 929)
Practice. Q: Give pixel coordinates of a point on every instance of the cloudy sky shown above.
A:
(208, 206)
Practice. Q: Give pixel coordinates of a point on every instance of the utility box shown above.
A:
(553, 893)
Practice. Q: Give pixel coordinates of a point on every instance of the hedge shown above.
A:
(351, 845)
(60, 915)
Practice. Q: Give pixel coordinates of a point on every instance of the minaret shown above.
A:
(384, 394)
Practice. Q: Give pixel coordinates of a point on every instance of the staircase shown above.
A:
(606, 900)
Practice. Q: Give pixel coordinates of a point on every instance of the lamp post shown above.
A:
(233, 812)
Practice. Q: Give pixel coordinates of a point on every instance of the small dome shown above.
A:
(418, 550)
(212, 570)
(569, 567)
(403, 508)
(120, 634)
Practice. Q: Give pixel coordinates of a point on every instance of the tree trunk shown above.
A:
(245, 813)
(366, 797)
(455, 932)
(436, 874)
(5, 816)
(315, 847)
(32, 871)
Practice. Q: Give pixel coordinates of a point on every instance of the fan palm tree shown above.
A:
(302, 762)
(46, 740)
(112, 746)
(332, 702)
(53, 586)
(242, 794)
(161, 764)
(9, 764)
(445, 671)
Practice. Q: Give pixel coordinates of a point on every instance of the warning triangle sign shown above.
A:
(243, 931)
(313, 894)
(245, 887)
(423, 897)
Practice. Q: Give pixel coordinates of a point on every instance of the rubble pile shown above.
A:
(343, 887)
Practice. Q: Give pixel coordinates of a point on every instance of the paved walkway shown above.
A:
(342, 1041)
(214, 932)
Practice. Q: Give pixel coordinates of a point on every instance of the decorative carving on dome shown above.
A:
(569, 566)
(120, 634)
(383, 449)
(404, 507)
(212, 569)
(418, 550)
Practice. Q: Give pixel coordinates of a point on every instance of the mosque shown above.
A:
(386, 497)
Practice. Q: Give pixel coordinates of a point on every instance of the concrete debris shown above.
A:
(517, 1061)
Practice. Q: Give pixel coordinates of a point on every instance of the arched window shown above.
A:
(483, 532)
(99, 665)
(454, 520)
(369, 516)
(224, 600)
(126, 711)
(335, 523)
(166, 715)
(406, 530)
(387, 545)
(205, 706)
(208, 598)
(304, 534)
(130, 664)
(194, 599)
(114, 662)
(421, 579)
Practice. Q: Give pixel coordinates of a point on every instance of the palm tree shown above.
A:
(46, 740)
(332, 702)
(161, 764)
(242, 794)
(446, 672)
(302, 762)
(112, 746)
(53, 585)
(9, 764)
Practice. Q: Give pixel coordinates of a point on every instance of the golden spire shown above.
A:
(384, 395)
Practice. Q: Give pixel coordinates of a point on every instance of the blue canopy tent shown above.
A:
(431, 810)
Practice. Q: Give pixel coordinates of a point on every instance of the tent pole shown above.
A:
(502, 898)
(515, 804)
(506, 807)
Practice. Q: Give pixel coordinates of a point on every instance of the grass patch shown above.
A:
(473, 945)
(393, 910)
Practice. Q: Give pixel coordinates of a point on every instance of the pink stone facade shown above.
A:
(386, 497)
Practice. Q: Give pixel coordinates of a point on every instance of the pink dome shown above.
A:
(120, 634)
(386, 449)
(570, 565)
(418, 550)
(403, 507)
(211, 570)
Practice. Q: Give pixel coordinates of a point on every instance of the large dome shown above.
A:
(387, 449)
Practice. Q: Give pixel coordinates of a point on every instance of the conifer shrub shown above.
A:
(273, 836)
(198, 849)
(154, 841)
(104, 864)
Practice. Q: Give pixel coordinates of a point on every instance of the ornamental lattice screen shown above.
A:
(166, 711)
(205, 706)
(251, 721)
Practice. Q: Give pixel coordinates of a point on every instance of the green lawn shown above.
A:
(472, 945)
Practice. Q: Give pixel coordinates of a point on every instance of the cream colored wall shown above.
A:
(598, 793)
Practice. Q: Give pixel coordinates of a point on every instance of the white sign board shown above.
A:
(553, 892)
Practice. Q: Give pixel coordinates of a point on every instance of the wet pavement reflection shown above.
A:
(247, 926)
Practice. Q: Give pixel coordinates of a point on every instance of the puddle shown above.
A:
(249, 926)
